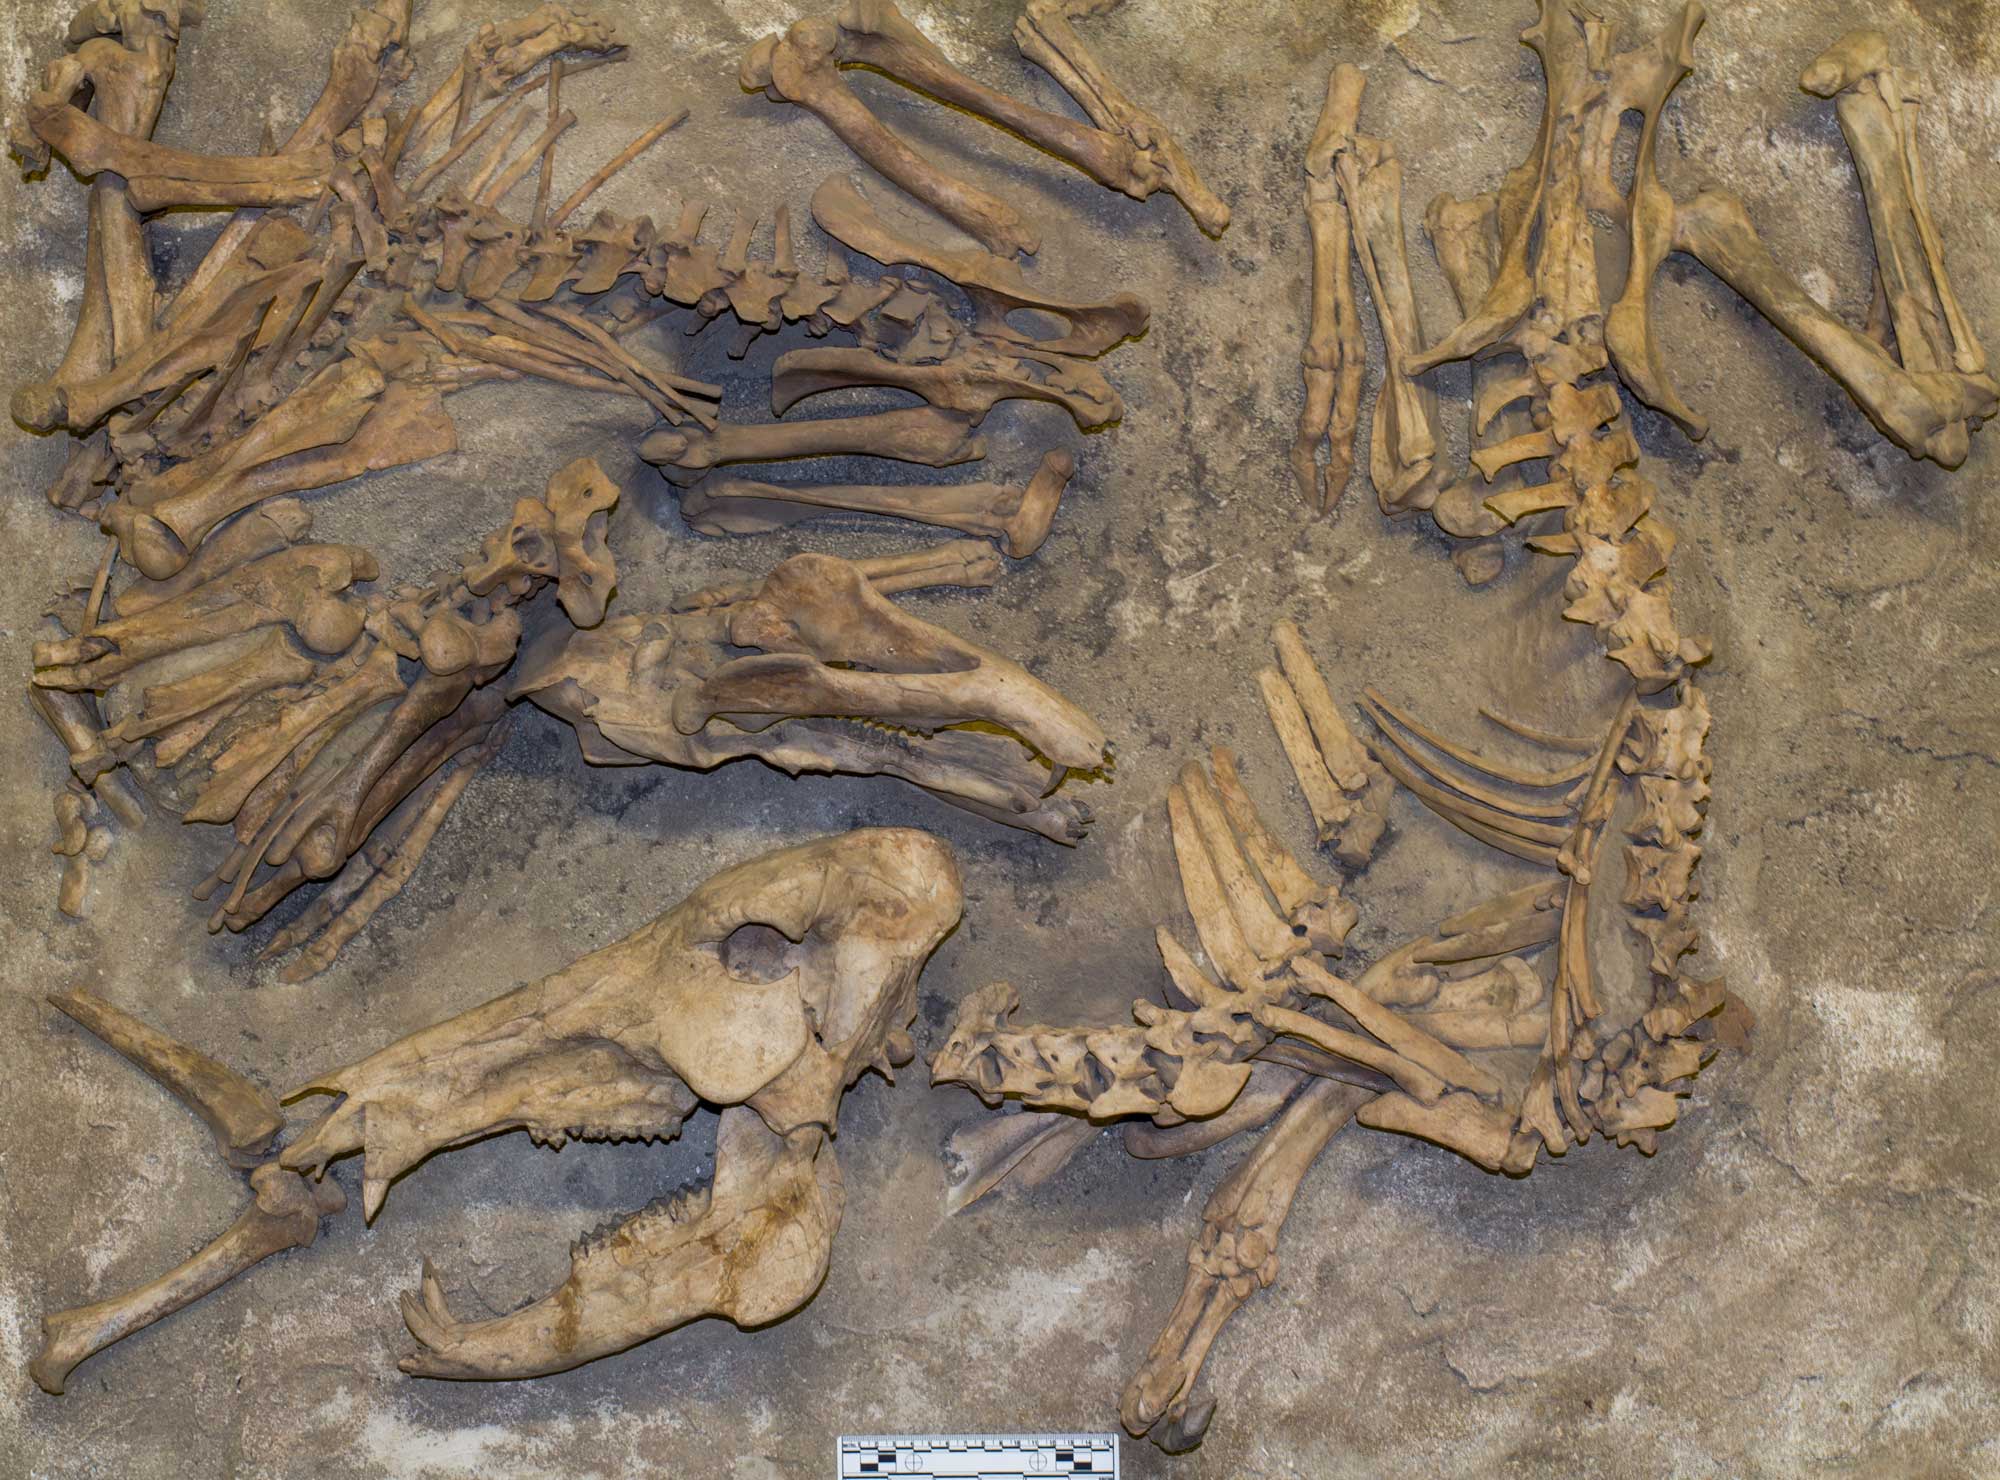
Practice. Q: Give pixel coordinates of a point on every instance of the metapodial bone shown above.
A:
(1522, 261)
(838, 679)
(1332, 359)
(767, 992)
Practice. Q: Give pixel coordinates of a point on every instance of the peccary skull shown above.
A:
(766, 992)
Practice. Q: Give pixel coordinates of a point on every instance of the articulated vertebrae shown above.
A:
(357, 286)
(1496, 1034)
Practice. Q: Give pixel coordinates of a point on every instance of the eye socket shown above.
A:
(758, 954)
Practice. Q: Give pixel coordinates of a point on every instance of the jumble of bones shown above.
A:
(1488, 1035)
(357, 284)
(765, 993)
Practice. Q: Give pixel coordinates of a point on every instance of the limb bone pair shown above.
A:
(1128, 149)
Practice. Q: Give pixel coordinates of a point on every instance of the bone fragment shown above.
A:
(242, 1116)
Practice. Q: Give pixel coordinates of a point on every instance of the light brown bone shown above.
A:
(1346, 790)
(1018, 518)
(1404, 441)
(970, 378)
(1045, 37)
(158, 177)
(914, 434)
(803, 66)
(242, 1117)
(1332, 359)
(1128, 150)
(285, 1214)
(996, 285)
(767, 991)
(300, 587)
(1187, 1063)
(337, 425)
(1235, 1256)
(675, 688)
(128, 77)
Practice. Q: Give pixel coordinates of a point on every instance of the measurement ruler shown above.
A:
(977, 1456)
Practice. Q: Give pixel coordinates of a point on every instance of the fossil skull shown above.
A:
(766, 992)
(816, 670)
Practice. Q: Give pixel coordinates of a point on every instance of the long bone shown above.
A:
(158, 177)
(1872, 97)
(1045, 37)
(995, 285)
(342, 423)
(285, 1212)
(1018, 518)
(915, 434)
(1332, 358)
(1178, 1064)
(1346, 790)
(249, 382)
(1404, 441)
(803, 66)
(128, 78)
(299, 587)
(1128, 150)
(969, 380)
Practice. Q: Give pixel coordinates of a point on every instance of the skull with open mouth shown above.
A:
(765, 993)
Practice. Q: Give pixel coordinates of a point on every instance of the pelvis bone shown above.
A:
(767, 992)
(839, 679)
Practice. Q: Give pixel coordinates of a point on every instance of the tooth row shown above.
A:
(561, 1136)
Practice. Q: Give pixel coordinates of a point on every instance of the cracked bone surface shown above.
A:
(837, 679)
(1522, 262)
(1499, 1034)
(767, 992)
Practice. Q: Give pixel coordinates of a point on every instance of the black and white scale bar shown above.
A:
(977, 1456)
